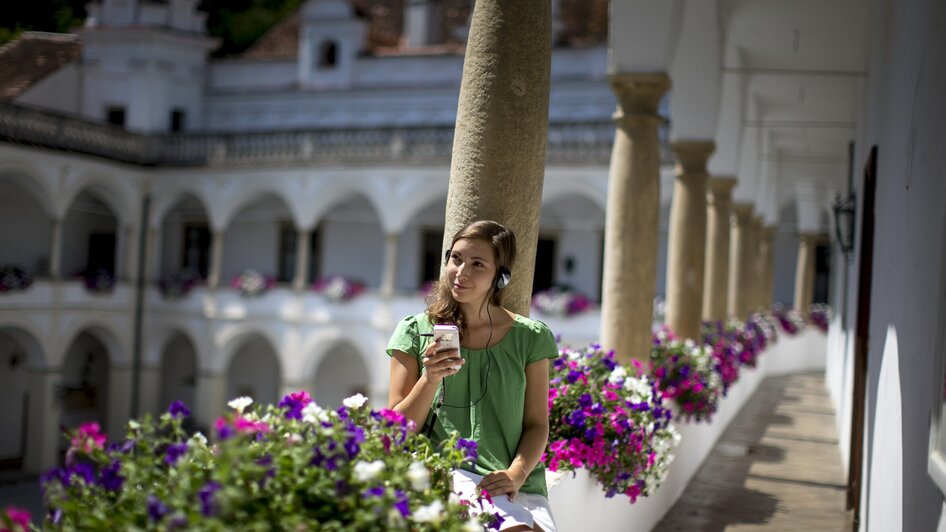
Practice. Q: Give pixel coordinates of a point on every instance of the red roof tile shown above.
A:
(33, 56)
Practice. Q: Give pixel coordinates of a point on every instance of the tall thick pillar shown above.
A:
(805, 271)
(55, 250)
(390, 265)
(211, 398)
(498, 163)
(756, 264)
(767, 251)
(716, 277)
(216, 258)
(739, 254)
(42, 435)
(630, 257)
(687, 246)
(300, 278)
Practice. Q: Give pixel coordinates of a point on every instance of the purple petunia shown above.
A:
(294, 403)
(178, 410)
(573, 376)
(469, 447)
(156, 509)
(401, 504)
(110, 478)
(377, 491)
(585, 400)
(174, 452)
(84, 471)
(576, 418)
(206, 495)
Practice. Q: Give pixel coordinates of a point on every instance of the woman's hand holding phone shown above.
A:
(441, 364)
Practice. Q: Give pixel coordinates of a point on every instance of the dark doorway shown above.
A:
(101, 253)
(822, 273)
(431, 255)
(196, 254)
(544, 264)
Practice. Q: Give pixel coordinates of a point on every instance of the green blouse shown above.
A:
(485, 400)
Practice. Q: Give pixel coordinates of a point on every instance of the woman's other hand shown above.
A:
(504, 482)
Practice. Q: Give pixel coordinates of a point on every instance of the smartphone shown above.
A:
(449, 338)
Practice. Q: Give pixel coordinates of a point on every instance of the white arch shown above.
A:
(29, 341)
(245, 196)
(317, 346)
(334, 194)
(414, 198)
(558, 189)
(109, 190)
(32, 180)
(168, 199)
(158, 341)
(117, 345)
(232, 337)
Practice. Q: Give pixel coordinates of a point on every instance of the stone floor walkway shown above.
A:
(777, 467)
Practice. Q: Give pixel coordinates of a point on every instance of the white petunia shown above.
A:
(355, 401)
(419, 476)
(617, 375)
(313, 413)
(240, 403)
(640, 390)
(197, 440)
(293, 438)
(430, 513)
(368, 471)
(472, 526)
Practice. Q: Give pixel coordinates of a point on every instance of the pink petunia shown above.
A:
(88, 437)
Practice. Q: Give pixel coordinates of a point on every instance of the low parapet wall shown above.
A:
(580, 505)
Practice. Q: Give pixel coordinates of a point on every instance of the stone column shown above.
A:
(129, 254)
(211, 398)
(630, 257)
(497, 168)
(739, 272)
(303, 255)
(756, 264)
(390, 265)
(687, 246)
(55, 250)
(767, 251)
(216, 258)
(118, 409)
(805, 271)
(42, 434)
(716, 278)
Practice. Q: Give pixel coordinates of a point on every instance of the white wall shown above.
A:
(905, 111)
(58, 91)
(785, 257)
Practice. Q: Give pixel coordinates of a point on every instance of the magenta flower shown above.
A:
(88, 437)
(17, 516)
(294, 403)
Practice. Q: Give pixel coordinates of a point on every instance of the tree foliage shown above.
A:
(237, 23)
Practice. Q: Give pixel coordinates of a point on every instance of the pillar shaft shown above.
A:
(767, 251)
(55, 251)
(43, 436)
(630, 257)
(129, 254)
(739, 272)
(497, 168)
(805, 271)
(390, 265)
(687, 246)
(716, 278)
(216, 259)
(300, 277)
(211, 398)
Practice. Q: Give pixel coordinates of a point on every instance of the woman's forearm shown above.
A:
(531, 446)
(417, 403)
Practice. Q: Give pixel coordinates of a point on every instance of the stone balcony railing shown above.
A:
(568, 143)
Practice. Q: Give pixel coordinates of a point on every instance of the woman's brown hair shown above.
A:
(441, 307)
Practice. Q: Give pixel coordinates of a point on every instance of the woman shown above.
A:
(497, 394)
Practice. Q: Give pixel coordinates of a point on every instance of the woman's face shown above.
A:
(471, 270)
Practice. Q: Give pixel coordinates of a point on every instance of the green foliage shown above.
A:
(239, 23)
(293, 467)
(58, 16)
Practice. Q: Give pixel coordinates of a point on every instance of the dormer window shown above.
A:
(328, 54)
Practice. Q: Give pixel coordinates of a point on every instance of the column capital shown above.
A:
(692, 155)
(638, 93)
(742, 212)
(812, 237)
(768, 231)
(722, 185)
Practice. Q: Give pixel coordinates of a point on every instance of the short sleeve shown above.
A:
(404, 337)
(544, 345)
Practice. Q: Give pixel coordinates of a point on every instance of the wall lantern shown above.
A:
(844, 221)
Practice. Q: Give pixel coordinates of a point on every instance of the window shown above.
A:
(196, 254)
(431, 255)
(115, 115)
(328, 54)
(287, 252)
(101, 253)
(177, 120)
